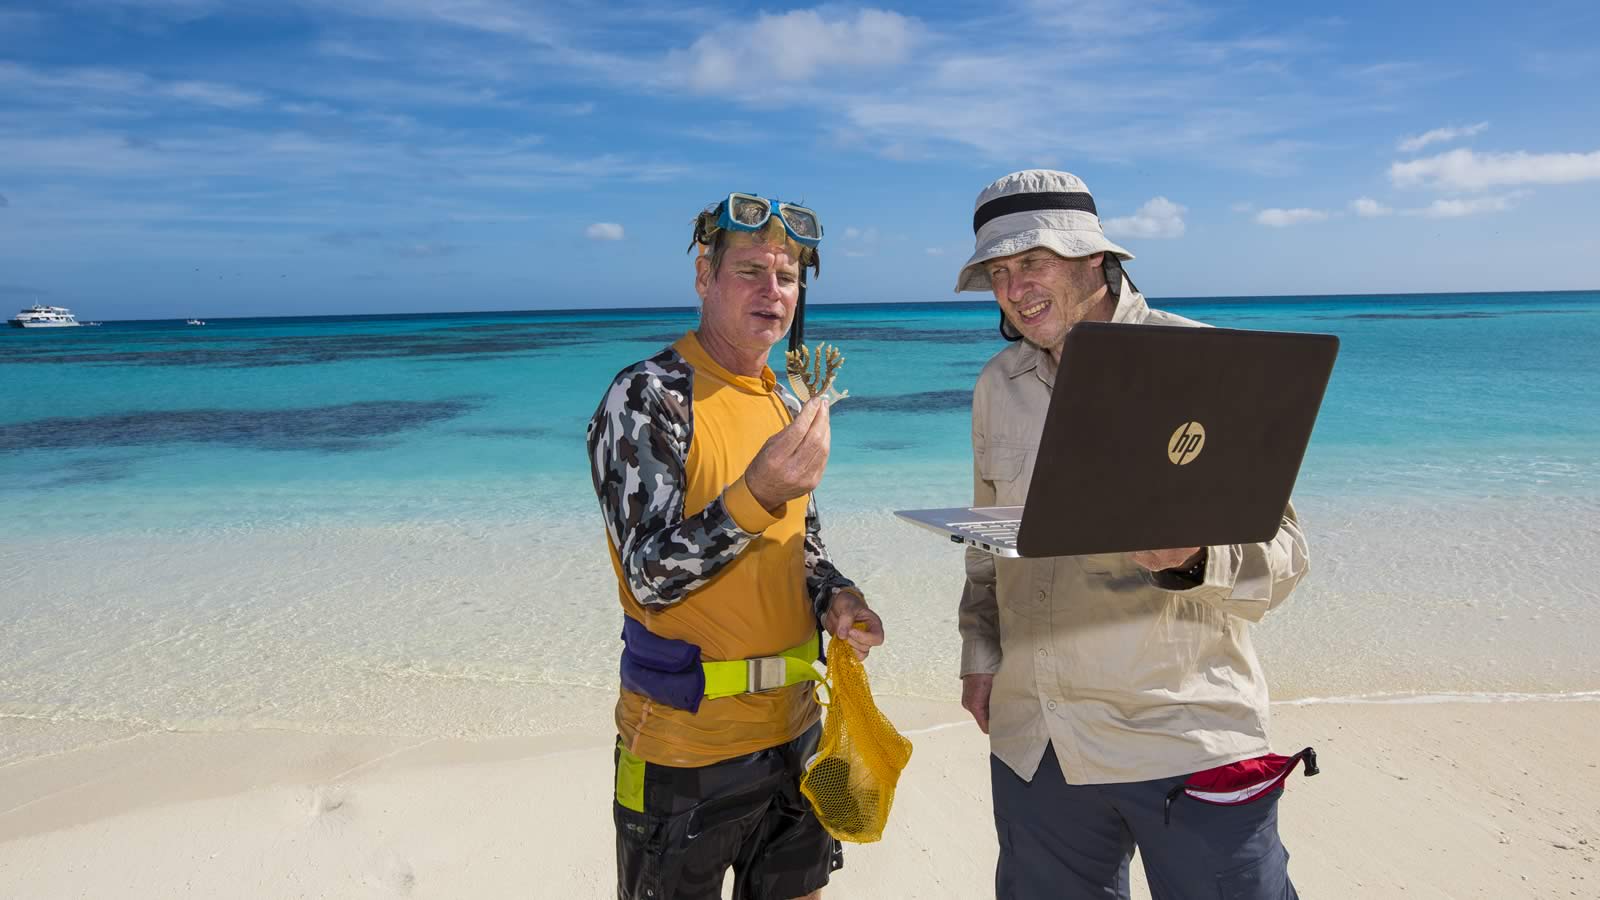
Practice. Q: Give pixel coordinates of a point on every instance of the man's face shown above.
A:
(750, 301)
(1043, 295)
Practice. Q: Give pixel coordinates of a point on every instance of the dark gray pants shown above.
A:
(1062, 841)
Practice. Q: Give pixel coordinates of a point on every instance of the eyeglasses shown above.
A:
(747, 212)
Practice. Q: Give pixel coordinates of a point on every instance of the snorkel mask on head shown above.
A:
(750, 213)
(747, 212)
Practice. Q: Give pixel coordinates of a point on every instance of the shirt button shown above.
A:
(1043, 652)
(1043, 596)
(1051, 705)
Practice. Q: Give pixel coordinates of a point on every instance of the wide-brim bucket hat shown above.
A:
(1033, 208)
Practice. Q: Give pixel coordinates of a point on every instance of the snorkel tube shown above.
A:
(797, 329)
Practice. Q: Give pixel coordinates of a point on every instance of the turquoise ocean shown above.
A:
(385, 524)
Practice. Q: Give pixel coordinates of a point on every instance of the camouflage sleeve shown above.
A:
(638, 449)
(822, 577)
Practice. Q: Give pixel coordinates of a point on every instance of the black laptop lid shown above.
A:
(1160, 437)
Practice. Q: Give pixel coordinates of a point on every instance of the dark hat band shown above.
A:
(1079, 201)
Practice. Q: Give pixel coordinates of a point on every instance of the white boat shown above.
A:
(194, 322)
(37, 316)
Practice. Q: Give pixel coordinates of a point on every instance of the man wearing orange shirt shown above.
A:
(704, 468)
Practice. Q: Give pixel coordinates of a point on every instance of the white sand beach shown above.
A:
(1439, 799)
(337, 714)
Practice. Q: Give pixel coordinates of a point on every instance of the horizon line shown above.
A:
(1191, 298)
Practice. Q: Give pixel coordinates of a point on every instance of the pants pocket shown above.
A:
(1266, 878)
(641, 854)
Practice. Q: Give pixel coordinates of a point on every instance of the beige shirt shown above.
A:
(1126, 680)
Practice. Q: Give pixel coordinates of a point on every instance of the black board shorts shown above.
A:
(746, 813)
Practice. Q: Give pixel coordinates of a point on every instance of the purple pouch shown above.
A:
(664, 669)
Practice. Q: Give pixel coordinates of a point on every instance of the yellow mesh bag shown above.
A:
(851, 781)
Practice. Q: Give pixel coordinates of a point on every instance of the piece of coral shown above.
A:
(811, 373)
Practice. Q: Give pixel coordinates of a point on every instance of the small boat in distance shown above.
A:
(194, 322)
(37, 316)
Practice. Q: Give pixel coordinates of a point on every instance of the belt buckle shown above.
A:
(766, 673)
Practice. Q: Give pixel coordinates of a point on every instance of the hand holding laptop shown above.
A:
(1156, 560)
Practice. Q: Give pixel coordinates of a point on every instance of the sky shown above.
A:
(169, 158)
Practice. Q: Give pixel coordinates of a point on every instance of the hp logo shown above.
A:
(1186, 443)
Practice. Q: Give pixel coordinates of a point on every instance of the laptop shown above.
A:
(1159, 437)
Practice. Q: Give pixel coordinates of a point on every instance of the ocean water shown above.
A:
(386, 524)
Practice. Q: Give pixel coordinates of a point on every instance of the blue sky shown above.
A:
(165, 158)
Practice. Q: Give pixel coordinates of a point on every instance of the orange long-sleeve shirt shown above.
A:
(697, 558)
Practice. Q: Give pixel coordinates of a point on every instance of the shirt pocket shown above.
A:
(1003, 467)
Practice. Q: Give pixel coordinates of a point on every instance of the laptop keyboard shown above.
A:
(996, 531)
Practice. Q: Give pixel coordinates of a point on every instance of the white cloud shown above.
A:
(902, 152)
(1390, 77)
(212, 94)
(778, 52)
(860, 241)
(399, 122)
(308, 109)
(1282, 218)
(342, 49)
(988, 104)
(507, 19)
(1159, 218)
(931, 251)
(603, 231)
(126, 83)
(1455, 209)
(902, 87)
(388, 92)
(1243, 207)
(296, 168)
(884, 82)
(1113, 18)
(88, 79)
(1367, 207)
(1468, 171)
(183, 10)
(1440, 135)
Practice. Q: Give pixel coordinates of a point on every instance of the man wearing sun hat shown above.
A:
(704, 467)
(1123, 700)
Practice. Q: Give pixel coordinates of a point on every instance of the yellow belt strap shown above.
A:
(750, 676)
